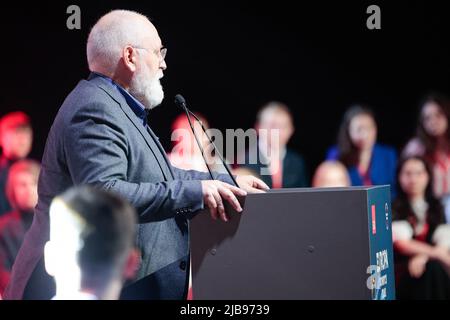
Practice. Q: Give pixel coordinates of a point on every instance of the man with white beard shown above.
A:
(100, 137)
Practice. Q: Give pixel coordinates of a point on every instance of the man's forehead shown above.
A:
(153, 40)
(152, 34)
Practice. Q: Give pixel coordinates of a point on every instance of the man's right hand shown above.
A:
(214, 192)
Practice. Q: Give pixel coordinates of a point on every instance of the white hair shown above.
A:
(110, 35)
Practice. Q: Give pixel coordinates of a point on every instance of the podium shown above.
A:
(331, 243)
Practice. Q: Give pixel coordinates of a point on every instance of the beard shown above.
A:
(146, 89)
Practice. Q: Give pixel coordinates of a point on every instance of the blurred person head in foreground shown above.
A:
(91, 248)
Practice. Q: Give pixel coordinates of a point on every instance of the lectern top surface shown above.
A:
(361, 188)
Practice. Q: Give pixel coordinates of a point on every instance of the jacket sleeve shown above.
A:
(198, 175)
(96, 151)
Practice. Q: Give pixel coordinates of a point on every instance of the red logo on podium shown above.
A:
(374, 220)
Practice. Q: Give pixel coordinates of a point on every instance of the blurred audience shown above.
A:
(91, 248)
(368, 162)
(186, 153)
(21, 191)
(285, 168)
(16, 137)
(421, 239)
(432, 141)
(331, 174)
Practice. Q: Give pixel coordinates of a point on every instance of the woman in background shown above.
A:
(421, 239)
(368, 162)
(432, 141)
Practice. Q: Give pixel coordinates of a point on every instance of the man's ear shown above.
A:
(132, 264)
(48, 258)
(129, 57)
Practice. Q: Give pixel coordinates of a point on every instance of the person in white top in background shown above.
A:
(420, 236)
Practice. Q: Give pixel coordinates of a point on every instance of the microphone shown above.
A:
(181, 102)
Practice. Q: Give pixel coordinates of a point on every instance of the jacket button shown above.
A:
(183, 265)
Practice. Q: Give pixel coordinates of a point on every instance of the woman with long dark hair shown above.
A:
(421, 238)
(432, 140)
(367, 162)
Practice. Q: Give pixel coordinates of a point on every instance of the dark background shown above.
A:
(228, 58)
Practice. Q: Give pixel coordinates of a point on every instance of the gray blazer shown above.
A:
(97, 139)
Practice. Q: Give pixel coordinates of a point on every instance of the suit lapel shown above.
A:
(148, 135)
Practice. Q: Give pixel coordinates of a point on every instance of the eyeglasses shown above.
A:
(161, 53)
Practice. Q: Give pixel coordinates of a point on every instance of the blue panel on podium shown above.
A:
(380, 241)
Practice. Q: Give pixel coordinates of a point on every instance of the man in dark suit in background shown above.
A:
(271, 158)
(100, 136)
